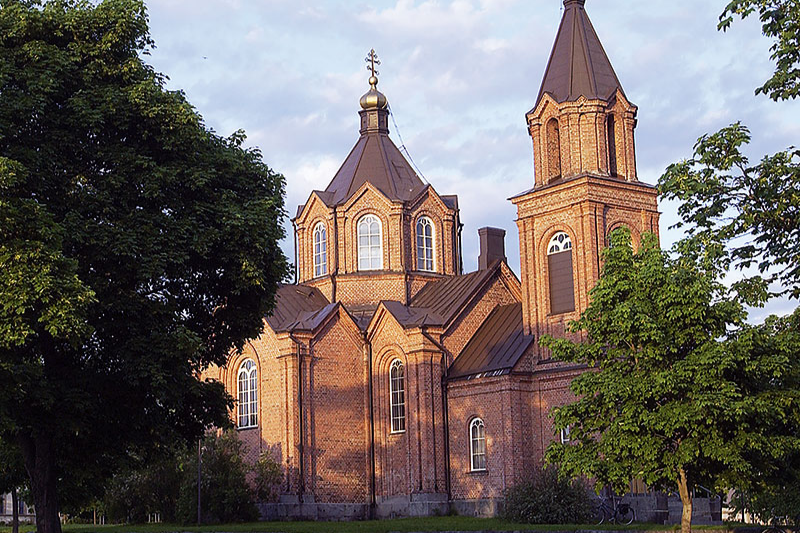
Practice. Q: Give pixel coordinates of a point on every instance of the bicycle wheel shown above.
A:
(600, 514)
(625, 514)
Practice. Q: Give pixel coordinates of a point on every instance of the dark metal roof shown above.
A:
(412, 316)
(578, 64)
(294, 304)
(447, 297)
(374, 159)
(496, 346)
(450, 200)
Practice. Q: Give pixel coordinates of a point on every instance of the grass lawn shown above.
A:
(404, 525)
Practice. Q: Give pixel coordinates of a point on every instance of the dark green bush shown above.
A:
(225, 494)
(546, 498)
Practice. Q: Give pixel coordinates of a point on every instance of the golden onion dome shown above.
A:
(373, 99)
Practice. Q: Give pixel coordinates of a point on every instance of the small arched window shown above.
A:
(320, 250)
(612, 145)
(370, 243)
(477, 445)
(553, 150)
(425, 244)
(559, 263)
(248, 395)
(397, 393)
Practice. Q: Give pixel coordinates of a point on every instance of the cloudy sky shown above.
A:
(460, 76)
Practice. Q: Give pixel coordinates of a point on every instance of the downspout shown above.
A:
(301, 447)
(445, 416)
(460, 245)
(433, 422)
(373, 496)
(335, 255)
(296, 262)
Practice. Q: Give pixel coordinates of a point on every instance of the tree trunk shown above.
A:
(686, 500)
(14, 511)
(40, 463)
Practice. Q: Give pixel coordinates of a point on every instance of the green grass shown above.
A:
(403, 525)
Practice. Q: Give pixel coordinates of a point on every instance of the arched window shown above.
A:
(370, 243)
(248, 395)
(320, 250)
(612, 145)
(477, 445)
(559, 262)
(397, 393)
(553, 150)
(425, 244)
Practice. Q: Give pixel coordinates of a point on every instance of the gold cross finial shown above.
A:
(372, 60)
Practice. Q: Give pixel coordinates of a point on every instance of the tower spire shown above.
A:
(582, 122)
(578, 64)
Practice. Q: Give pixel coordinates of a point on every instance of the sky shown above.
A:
(459, 76)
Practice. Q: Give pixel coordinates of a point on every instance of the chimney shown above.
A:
(493, 246)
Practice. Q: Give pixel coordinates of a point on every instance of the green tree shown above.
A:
(136, 248)
(681, 390)
(748, 214)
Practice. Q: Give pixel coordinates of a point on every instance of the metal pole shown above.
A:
(199, 470)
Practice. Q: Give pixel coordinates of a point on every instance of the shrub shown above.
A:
(268, 478)
(225, 493)
(547, 498)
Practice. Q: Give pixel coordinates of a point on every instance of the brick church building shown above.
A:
(387, 381)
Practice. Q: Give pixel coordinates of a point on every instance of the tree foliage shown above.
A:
(136, 247)
(753, 208)
(681, 390)
(780, 21)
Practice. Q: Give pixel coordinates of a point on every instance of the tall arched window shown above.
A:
(559, 263)
(477, 445)
(397, 393)
(612, 145)
(553, 150)
(248, 395)
(370, 243)
(425, 244)
(320, 250)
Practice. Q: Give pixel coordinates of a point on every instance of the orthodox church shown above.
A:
(387, 381)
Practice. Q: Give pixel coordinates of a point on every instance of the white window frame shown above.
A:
(477, 446)
(564, 435)
(561, 242)
(247, 394)
(320, 250)
(426, 250)
(370, 253)
(397, 396)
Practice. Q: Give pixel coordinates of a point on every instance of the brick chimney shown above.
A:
(493, 246)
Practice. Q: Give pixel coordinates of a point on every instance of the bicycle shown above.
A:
(618, 512)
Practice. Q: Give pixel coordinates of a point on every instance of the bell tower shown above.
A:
(585, 184)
